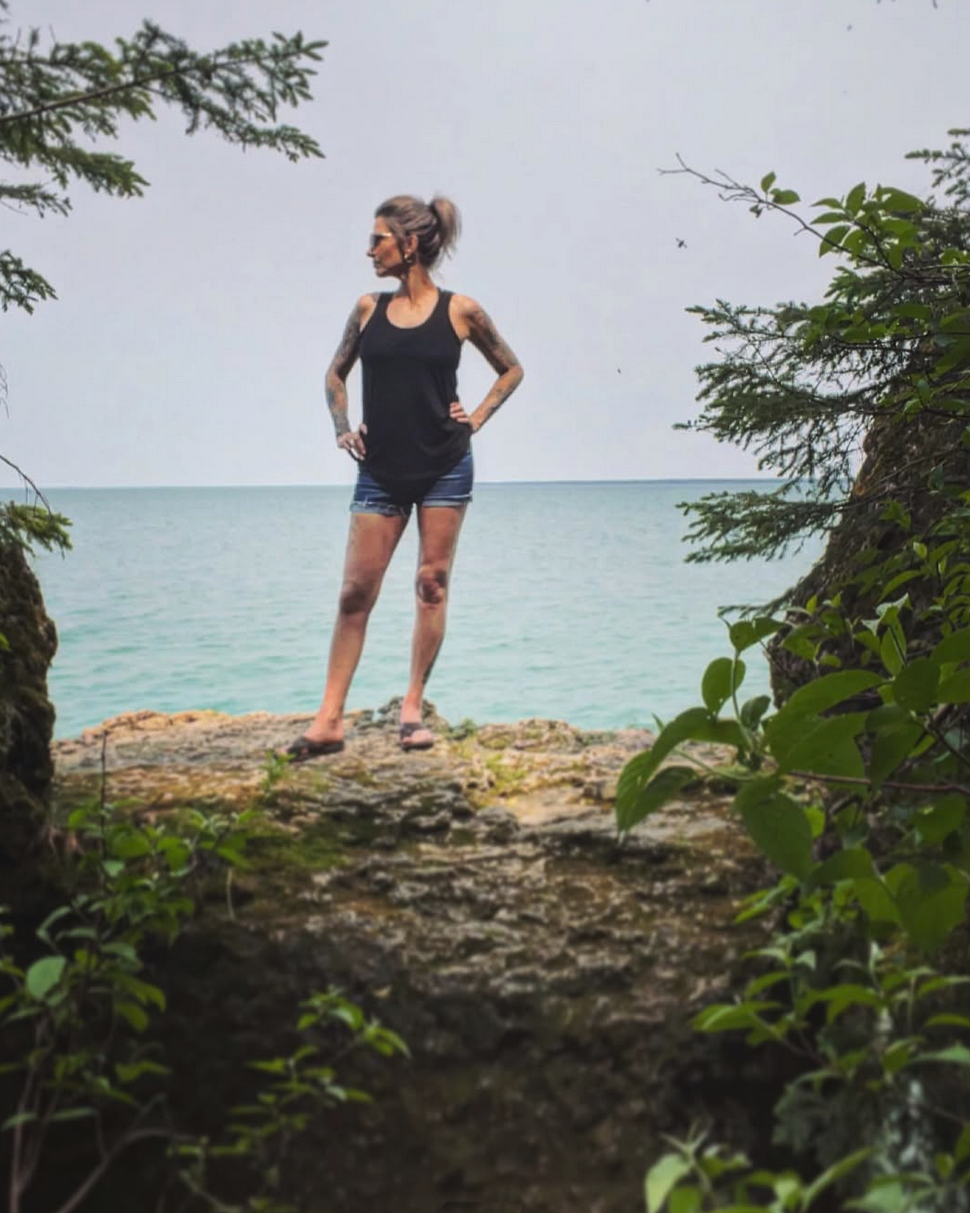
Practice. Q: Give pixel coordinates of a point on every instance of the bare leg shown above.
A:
(370, 546)
(439, 527)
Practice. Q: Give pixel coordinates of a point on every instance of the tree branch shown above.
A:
(135, 83)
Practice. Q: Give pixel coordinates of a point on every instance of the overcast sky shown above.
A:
(192, 327)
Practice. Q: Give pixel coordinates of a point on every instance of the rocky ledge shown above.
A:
(476, 899)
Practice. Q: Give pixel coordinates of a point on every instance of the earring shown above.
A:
(409, 258)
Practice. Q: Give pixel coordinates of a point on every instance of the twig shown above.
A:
(738, 192)
(81, 1192)
(894, 784)
(27, 480)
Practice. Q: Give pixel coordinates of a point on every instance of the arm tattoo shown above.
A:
(340, 367)
(485, 337)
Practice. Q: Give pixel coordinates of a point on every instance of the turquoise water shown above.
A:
(569, 600)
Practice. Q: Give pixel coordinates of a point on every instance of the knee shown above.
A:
(432, 584)
(355, 598)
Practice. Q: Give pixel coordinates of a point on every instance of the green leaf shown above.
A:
(732, 1017)
(889, 652)
(848, 994)
(803, 641)
(143, 991)
(778, 824)
(838, 1170)
(746, 632)
(956, 357)
(721, 679)
(784, 197)
(43, 931)
(855, 198)
(832, 239)
(825, 747)
(897, 1056)
(43, 975)
(955, 689)
(73, 1114)
(891, 746)
(936, 821)
(875, 899)
(693, 725)
(19, 1118)
(686, 1199)
(753, 709)
(134, 1015)
(954, 1055)
(947, 1020)
(850, 864)
(663, 787)
(883, 1196)
(899, 201)
(128, 1073)
(932, 903)
(124, 951)
(824, 693)
(276, 1065)
(662, 1177)
(127, 843)
(916, 684)
(913, 311)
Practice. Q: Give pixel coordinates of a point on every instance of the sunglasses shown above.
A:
(377, 237)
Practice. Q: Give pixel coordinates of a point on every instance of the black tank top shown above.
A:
(410, 379)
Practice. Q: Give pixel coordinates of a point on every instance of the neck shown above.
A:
(416, 283)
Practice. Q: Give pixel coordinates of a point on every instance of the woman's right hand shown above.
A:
(353, 443)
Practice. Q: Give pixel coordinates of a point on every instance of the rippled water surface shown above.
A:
(569, 600)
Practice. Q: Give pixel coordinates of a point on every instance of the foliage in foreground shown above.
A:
(81, 1016)
(857, 787)
(60, 101)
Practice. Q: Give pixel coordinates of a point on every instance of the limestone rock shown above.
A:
(476, 899)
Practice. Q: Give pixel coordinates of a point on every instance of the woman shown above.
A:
(412, 447)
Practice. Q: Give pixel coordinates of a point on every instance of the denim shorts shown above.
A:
(453, 489)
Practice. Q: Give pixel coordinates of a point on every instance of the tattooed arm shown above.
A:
(336, 380)
(471, 321)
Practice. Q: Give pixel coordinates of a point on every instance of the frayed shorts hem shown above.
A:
(453, 491)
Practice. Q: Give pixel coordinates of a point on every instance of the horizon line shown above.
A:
(348, 485)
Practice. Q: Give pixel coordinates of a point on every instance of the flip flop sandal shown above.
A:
(304, 748)
(408, 730)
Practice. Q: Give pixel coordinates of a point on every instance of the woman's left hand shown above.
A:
(459, 414)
